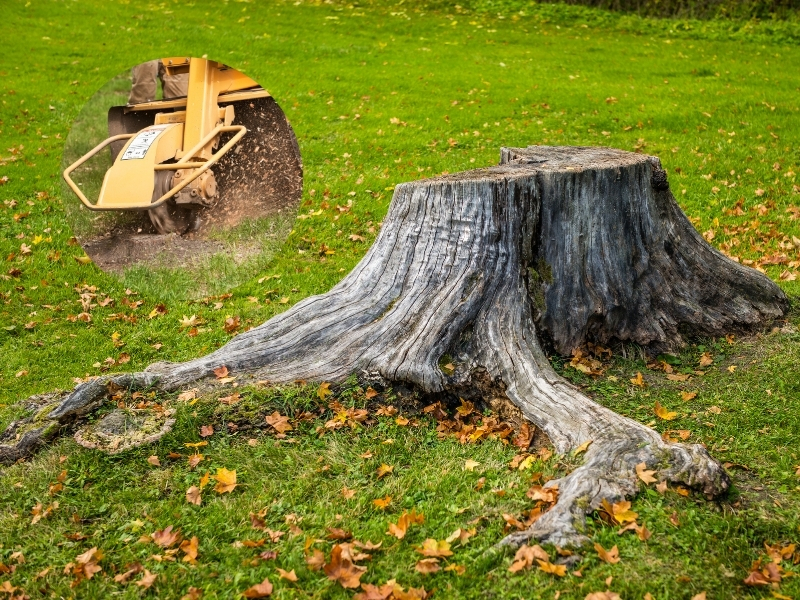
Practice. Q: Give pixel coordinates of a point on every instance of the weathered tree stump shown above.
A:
(560, 245)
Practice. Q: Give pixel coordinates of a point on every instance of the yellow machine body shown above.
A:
(180, 140)
(129, 183)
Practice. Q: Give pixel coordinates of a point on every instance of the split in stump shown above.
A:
(557, 246)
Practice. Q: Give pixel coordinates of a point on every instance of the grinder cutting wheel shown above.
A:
(163, 152)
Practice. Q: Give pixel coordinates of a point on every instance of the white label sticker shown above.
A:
(141, 143)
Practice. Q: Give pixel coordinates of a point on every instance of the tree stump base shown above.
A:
(555, 245)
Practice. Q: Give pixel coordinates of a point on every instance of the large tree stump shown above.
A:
(563, 243)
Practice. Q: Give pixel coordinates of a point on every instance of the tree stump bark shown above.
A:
(561, 245)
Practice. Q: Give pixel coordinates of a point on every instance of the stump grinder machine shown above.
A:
(163, 151)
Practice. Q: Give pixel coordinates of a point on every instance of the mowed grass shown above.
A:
(377, 96)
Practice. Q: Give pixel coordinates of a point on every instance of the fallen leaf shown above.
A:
(195, 459)
(324, 390)
(526, 555)
(428, 565)
(678, 377)
(524, 436)
(279, 422)
(582, 448)
(638, 380)
(193, 495)
(434, 548)
(338, 534)
(221, 372)
(370, 393)
(166, 537)
(382, 503)
(469, 464)
(610, 556)
(705, 360)
(686, 396)
(548, 567)
(288, 575)
(732, 368)
(226, 481)
(404, 522)
(189, 548)
(315, 560)
(147, 580)
(342, 570)
(153, 460)
(206, 430)
(260, 590)
(462, 535)
(663, 413)
(645, 475)
(384, 470)
(347, 494)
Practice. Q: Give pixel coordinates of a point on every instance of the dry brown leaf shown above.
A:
(406, 519)
(315, 560)
(686, 396)
(582, 448)
(338, 534)
(661, 488)
(153, 460)
(221, 372)
(193, 495)
(610, 556)
(260, 590)
(166, 537)
(189, 549)
(206, 430)
(347, 494)
(524, 436)
(645, 475)
(278, 422)
(678, 377)
(195, 459)
(428, 565)
(342, 570)
(147, 580)
(705, 360)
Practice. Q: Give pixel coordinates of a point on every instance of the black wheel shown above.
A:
(169, 218)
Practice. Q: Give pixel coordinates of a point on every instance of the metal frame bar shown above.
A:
(183, 163)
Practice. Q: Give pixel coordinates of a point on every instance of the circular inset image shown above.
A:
(187, 194)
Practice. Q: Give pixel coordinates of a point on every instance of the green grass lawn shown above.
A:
(378, 95)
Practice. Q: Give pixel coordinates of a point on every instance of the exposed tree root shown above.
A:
(465, 265)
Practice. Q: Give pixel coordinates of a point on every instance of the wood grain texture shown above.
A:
(578, 244)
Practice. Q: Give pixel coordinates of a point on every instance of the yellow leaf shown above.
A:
(548, 567)
(226, 481)
(732, 368)
(382, 503)
(685, 396)
(384, 469)
(705, 359)
(469, 464)
(638, 380)
(663, 413)
(582, 448)
(324, 390)
(288, 575)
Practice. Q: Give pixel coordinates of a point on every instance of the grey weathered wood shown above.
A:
(579, 244)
